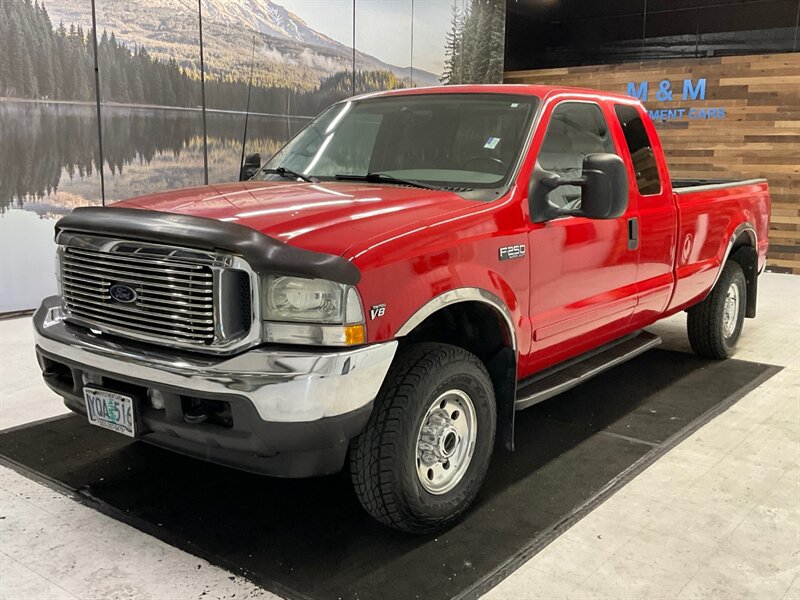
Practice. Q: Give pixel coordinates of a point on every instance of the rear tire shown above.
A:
(715, 324)
(423, 456)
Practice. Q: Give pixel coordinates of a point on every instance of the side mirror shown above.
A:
(604, 190)
(252, 163)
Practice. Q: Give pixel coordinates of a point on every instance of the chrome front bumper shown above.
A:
(284, 386)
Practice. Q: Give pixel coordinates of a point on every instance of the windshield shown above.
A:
(457, 141)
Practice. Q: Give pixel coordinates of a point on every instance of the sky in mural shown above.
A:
(390, 40)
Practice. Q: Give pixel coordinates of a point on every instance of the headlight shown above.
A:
(312, 311)
(308, 300)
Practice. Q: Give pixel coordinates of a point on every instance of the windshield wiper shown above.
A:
(385, 178)
(283, 172)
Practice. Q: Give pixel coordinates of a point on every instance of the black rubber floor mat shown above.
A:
(311, 539)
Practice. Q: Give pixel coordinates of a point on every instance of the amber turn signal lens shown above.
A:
(354, 334)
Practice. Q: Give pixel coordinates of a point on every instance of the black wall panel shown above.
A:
(559, 33)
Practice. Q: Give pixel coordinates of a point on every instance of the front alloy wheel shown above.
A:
(446, 441)
(420, 461)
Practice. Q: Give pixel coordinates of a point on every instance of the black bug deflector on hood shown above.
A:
(263, 253)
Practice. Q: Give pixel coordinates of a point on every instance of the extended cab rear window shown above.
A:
(640, 148)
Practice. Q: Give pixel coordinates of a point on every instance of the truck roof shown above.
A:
(541, 91)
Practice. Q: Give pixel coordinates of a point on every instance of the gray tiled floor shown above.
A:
(717, 517)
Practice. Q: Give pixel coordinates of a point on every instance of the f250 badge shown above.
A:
(377, 311)
(509, 252)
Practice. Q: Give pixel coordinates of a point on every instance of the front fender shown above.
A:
(398, 297)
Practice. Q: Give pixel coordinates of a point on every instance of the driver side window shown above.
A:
(576, 129)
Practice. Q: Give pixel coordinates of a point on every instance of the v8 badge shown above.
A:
(377, 311)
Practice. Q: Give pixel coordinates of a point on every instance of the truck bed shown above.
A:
(708, 210)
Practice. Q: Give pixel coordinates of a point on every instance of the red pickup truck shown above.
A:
(407, 272)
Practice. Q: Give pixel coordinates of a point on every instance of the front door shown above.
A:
(583, 272)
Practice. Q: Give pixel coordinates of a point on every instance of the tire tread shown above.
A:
(703, 322)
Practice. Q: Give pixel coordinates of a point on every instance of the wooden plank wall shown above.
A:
(759, 137)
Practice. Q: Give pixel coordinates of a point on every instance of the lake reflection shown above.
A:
(48, 166)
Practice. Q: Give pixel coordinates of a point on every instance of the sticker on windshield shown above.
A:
(491, 143)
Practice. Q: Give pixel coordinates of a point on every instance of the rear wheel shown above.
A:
(715, 324)
(426, 449)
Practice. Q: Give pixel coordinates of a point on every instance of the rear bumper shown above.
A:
(287, 412)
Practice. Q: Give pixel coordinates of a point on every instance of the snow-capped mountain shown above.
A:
(267, 18)
(271, 19)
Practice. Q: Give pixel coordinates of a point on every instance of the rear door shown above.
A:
(654, 227)
(583, 273)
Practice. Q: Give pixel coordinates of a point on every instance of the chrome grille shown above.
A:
(175, 291)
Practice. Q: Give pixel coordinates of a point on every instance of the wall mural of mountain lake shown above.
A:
(293, 58)
(48, 166)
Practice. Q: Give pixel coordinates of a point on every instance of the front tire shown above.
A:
(423, 456)
(715, 324)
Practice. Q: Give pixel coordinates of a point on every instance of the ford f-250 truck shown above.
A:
(407, 272)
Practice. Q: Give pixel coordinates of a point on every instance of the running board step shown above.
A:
(563, 377)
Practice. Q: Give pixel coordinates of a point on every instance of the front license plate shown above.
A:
(110, 410)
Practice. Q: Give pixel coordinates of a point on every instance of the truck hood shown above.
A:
(324, 217)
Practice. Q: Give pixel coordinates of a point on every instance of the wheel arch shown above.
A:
(743, 249)
(480, 322)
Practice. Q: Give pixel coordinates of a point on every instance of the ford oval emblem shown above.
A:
(122, 293)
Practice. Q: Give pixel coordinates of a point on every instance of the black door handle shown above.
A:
(633, 233)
